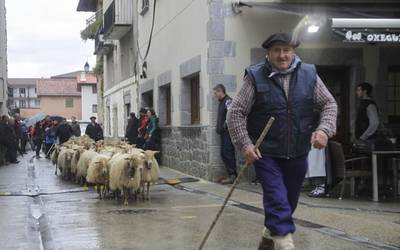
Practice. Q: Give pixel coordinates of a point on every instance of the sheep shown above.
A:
(151, 172)
(64, 162)
(125, 174)
(75, 158)
(83, 164)
(54, 156)
(97, 173)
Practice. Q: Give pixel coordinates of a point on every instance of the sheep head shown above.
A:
(150, 155)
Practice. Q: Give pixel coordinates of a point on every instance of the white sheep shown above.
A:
(97, 173)
(125, 174)
(151, 172)
(64, 162)
(83, 164)
(78, 151)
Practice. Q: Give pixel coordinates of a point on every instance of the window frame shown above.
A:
(71, 99)
(195, 108)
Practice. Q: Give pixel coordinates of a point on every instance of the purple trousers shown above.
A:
(281, 180)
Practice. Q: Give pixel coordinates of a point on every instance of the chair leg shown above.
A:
(342, 188)
(395, 180)
(352, 186)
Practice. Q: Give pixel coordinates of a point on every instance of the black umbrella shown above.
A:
(57, 118)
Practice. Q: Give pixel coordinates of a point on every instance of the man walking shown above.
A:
(284, 88)
(63, 131)
(93, 130)
(131, 132)
(76, 129)
(367, 120)
(227, 148)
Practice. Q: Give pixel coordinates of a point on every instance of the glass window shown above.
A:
(69, 102)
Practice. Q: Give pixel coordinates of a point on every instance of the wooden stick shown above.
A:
(258, 143)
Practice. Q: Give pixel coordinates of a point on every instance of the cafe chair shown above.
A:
(344, 168)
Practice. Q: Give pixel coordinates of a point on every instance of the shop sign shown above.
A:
(372, 37)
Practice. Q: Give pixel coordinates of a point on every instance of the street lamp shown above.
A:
(86, 67)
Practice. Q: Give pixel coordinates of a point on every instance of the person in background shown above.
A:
(63, 131)
(152, 127)
(131, 132)
(143, 122)
(49, 138)
(38, 136)
(227, 148)
(46, 122)
(3, 139)
(76, 129)
(24, 137)
(367, 119)
(13, 146)
(17, 128)
(94, 130)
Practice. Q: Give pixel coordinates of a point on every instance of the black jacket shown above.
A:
(132, 130)
(7, 134)
(94, 131)
(222, 110)
(63, 132)
(76, 129)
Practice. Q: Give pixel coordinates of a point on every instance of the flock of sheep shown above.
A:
(115, 168)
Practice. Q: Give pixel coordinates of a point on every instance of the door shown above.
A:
(115, 122)
(337, 80)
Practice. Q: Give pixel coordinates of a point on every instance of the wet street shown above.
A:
(40, 211)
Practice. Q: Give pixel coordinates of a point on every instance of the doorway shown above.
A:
(337, 80)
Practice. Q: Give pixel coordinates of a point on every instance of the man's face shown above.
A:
(359, 92)
(73, 119)
(219, 94)
(93, 120)
(280, 55)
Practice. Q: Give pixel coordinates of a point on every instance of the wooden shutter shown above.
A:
(195, 100)
(168, 103)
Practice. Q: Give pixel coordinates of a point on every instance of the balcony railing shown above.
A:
(118, 19)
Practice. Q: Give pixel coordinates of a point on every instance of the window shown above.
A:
(69, 102)
(22, 104)
(393, 93)
(35, 90)
(165, 105)
(94, 89)
(145, 7)
(147, 99)
(22, 91)
(37, 103)
(195, 100)
(94, 108)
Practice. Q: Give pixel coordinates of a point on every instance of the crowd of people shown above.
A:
(15, 135)
(144, 131)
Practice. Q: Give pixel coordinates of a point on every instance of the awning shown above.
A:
(87, 5)
(331, 9)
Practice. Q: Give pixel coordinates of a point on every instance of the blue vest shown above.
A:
(290, 134)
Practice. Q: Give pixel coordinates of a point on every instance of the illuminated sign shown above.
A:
(364, 37)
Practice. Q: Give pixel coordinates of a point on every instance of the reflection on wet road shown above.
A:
(40, 211)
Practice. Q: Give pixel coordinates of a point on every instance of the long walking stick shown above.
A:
(258, 143)
(50, 149)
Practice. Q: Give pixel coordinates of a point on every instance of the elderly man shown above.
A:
(290, 91)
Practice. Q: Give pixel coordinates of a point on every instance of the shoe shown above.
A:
(283, 242)
(229, 180)
(38, 157)
(14, 162)
(266, 244)
(318, 192)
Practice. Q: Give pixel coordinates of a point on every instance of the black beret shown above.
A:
(92, 117)
(280, 37)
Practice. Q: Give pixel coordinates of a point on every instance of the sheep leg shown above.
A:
(99, 191)
(56, 170)
(126, 195)
(148, 191)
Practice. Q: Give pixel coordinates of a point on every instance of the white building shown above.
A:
(194, 45)
(87, 83)
(3, 59)
(23, 94)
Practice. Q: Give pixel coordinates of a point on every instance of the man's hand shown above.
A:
(251, 154)
(319, 139)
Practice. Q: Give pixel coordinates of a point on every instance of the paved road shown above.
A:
(40, 211)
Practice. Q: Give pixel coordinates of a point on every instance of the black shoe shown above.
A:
(266, 244)
(14, 162)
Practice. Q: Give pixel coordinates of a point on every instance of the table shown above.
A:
(375, 195)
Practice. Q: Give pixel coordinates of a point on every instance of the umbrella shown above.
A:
(34, 119)
(56, 118)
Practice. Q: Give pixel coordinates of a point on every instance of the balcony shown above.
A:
(102, 46)
(118, 19)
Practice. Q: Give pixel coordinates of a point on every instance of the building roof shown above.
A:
(57, 87)
(70, 75)
(84, 78)
(15, 82)
(87, 5)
